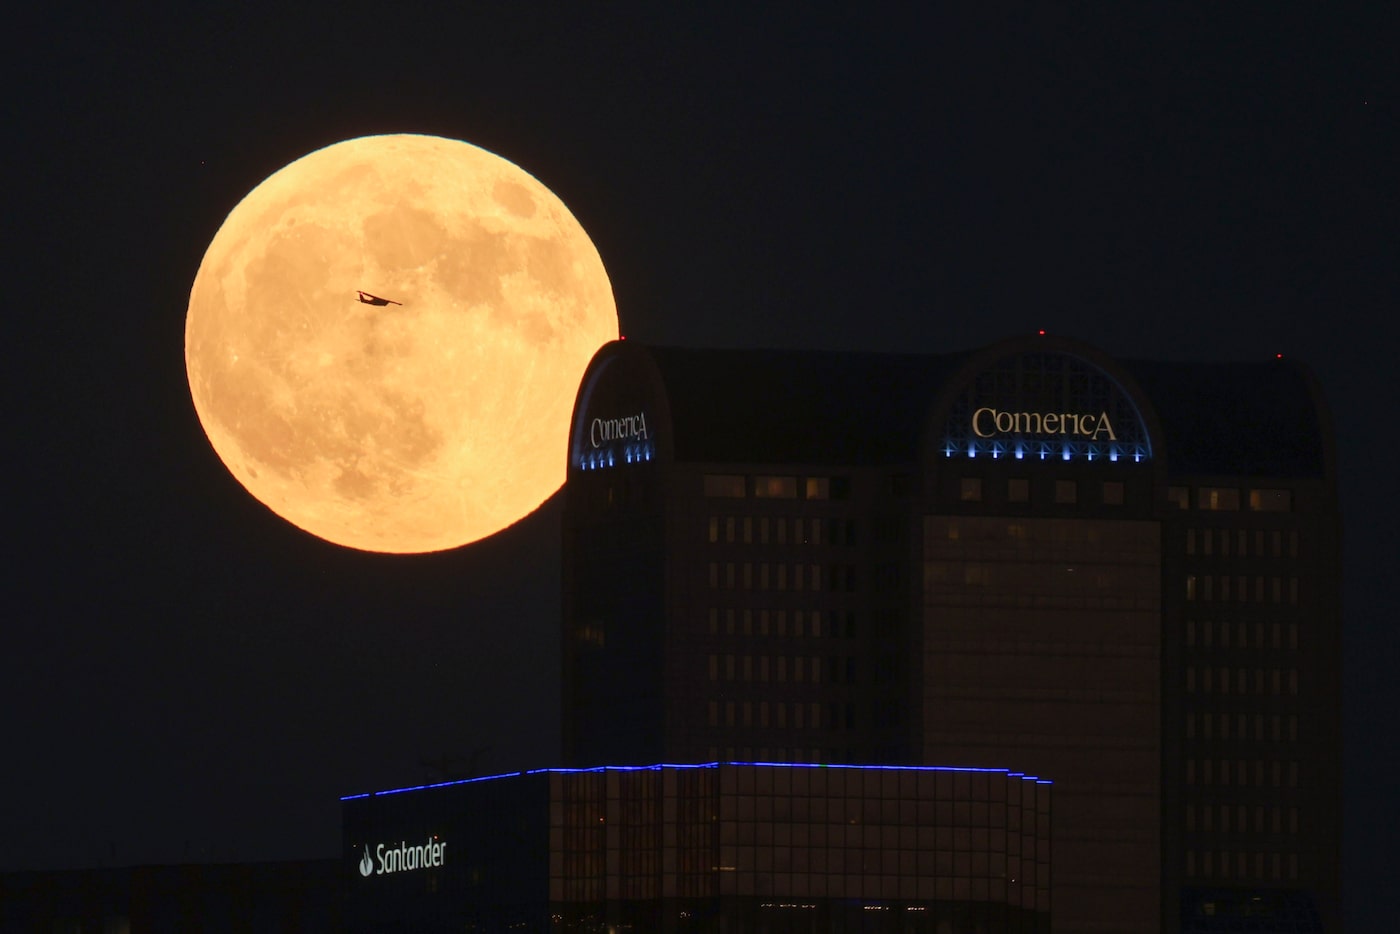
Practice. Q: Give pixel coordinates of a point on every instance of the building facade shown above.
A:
(1121, 575)
(720, 847)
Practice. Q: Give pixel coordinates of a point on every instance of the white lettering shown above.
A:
(978, 414)
(1105, 427)
(603, 430)
(987, 422)
(404, 857)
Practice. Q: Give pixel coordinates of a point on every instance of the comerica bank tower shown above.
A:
(1121, 575)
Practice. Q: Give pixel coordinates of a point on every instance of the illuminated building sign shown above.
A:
(402, 858)
(1045, 406)
(632, 427)
(988, 423)
(614, 440)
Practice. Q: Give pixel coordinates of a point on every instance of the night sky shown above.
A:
(186, 677)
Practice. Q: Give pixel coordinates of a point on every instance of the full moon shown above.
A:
(385, 338)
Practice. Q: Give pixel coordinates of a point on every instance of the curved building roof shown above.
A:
(858, 409)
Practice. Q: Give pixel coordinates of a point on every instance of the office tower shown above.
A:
(1120, 575)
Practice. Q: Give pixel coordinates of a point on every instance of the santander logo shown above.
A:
(403, 857)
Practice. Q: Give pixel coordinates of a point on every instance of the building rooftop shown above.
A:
(701, 765)
(860, 409)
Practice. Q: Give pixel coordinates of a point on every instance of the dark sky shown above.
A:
(185, 676)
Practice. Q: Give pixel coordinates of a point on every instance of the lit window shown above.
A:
(1066, 491)
(728, 485)
(775, 487)
(817, 488)
(1270, 501)
(1179, 496)
(970, 490)
(1218, 498)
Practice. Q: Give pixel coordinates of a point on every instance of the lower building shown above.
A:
(724, 846)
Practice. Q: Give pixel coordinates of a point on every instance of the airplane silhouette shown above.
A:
(369, 299)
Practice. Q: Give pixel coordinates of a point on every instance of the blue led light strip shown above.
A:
(1044, 450)
(701, 765)
(639, 453)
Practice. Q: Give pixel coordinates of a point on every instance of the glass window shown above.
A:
(730, 485)
(1218, 498)
(1270, 500)
(817, 488)
(1112, 493)
(1179, 497)
(1018, 490)
(1066, 491)
(775, 487)
(970, 490)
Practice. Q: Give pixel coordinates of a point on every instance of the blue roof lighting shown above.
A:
(631, 454)
(700, 765)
